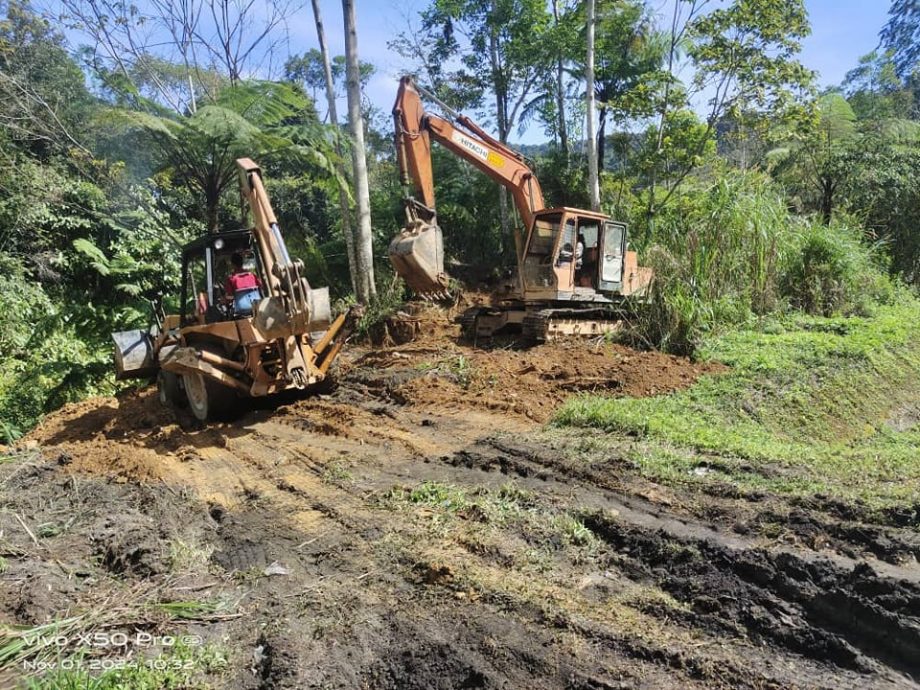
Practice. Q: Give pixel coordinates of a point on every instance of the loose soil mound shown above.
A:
(530, 383)
(124, 437)
(435, 371)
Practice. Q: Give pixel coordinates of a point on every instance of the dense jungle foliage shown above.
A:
(750, 193)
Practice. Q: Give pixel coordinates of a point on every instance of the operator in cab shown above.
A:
(242, 287)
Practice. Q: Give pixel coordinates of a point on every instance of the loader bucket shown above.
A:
(134, 355)
(417, 254)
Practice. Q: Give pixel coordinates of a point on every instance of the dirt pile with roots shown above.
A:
(436, 371)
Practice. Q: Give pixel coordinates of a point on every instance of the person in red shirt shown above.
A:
(242, 286)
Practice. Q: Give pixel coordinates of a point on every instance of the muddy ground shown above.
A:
(419, 528)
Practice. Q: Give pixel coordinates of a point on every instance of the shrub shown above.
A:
(832, 270)
(732, 253)
(715, 254)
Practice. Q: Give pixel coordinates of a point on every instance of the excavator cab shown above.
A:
(555, 267)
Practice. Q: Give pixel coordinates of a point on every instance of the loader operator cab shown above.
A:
(206, 265)
(552, 260)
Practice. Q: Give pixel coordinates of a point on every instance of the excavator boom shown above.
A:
(417, 252)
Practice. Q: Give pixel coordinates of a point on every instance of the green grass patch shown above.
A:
(337, 472)
(504, 514)
(806, 407)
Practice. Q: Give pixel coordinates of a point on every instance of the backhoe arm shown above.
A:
(291, 308)
(281, 274)
(417, 253)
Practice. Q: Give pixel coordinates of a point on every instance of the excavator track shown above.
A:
(482, 323)
(545, 325)
(468, 323)
(540, 325)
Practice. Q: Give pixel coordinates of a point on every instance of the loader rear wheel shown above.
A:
(207, 399)
(168, 389)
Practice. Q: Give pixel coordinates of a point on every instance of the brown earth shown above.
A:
(425, 532)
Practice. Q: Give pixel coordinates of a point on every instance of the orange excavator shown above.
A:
(575, 274)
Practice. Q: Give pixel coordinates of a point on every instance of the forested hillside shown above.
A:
(750, 191)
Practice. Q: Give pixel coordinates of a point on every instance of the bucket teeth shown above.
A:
(440, 295)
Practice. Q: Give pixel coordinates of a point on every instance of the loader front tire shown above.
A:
(207, 399)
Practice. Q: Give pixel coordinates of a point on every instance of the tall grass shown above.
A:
(732, 252)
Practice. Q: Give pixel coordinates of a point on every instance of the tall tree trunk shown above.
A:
(192, 102)
(594, 192)
(601, 138)
(560, 95)
(828, 187)
(344, 207)
(364, 247)
(501, 113)
(212, 204)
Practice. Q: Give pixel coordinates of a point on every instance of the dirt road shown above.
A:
(425, 531)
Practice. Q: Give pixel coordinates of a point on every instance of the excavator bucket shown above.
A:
(417, 254)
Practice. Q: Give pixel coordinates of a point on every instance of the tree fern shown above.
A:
(252, 119)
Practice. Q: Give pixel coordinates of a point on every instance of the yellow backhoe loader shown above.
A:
(575, 274)
(221, 347)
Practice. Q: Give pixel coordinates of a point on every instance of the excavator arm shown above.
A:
(417, 252)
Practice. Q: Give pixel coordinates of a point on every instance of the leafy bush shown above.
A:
(93, 266)
(832, 270)
(53, 367)
(881, 186)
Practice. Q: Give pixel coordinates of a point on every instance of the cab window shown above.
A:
(538, 262)
(196, 288)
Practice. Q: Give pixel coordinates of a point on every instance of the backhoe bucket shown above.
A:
(417, 254)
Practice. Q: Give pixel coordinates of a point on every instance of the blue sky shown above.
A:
(842, 31)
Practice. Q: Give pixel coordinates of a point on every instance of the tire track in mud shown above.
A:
(404, 597)
(830, 608)
(598, 490)
(410, 664)
(778, 599)
(818, 611)
(354, 519)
